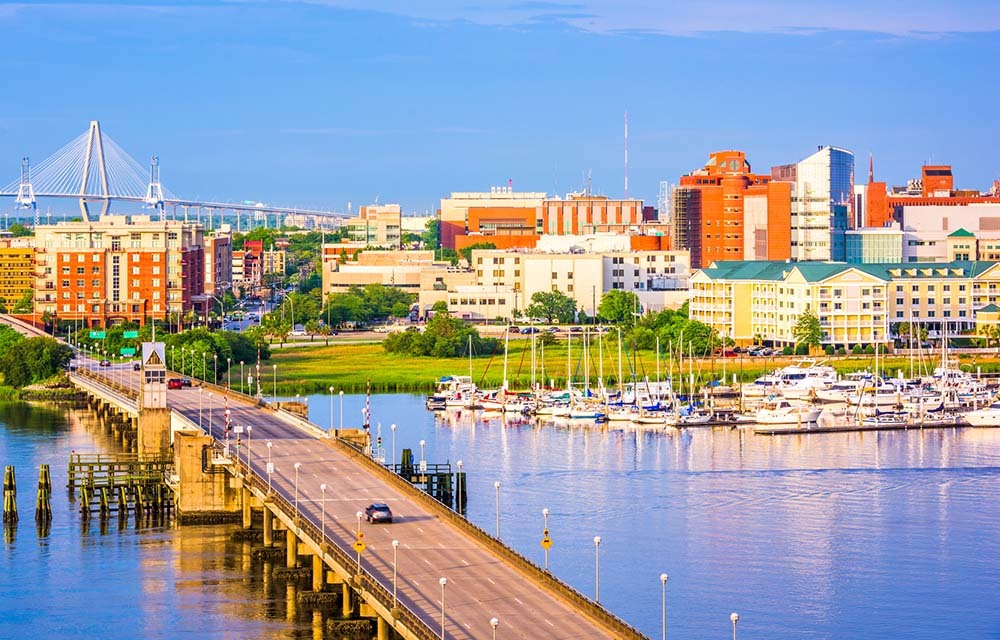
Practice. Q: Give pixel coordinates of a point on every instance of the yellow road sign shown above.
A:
(546, 542)
(359, 546)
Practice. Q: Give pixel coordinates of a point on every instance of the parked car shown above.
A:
(378, 512)
(105, 363)
(576, 329)
(553, 329)
(529, 330)
(298, 333)
(514, 329)
(175, 383)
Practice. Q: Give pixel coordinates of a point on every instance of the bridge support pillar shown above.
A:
(268, 527)
(154, 432)
(246, 498)
(346, 594)
(318, 571)
(205, 494)
(292, 547)
(383, 629)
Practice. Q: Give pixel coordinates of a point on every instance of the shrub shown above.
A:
(869, 350)
(829, 350)
(787, 351)
(802, 350)
(841, 351)
(856, 349)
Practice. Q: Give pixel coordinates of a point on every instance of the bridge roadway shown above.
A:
(480, 584)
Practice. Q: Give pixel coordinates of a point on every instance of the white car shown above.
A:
(299, 333)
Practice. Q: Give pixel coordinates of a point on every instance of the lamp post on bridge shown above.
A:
(204, 366)
(322, 489)
(360, 536)
(331, 411)
(494, 622)
(458, 487)
(210, 396)
(395, 549)
(270, 467)
(229, 373)
(496, 485)
(201, 396)
(215, 370)
(443, 581)
(734, 617)
(297, 465)
(392, 428)
(545, 535)
(274, 370)
(597, 568)
(341, 409)
(242, 378)
(663, 602)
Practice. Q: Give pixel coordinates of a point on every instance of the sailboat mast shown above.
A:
(600, 365)
(569, 370)
(506, 344)
(657, 368)
(621, 383)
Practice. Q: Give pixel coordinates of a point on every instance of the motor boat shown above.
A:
(985, 417)
(781, 411)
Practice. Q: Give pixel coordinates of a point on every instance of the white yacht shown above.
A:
(985, 417)
(781, 411)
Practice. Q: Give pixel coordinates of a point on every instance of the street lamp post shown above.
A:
(735, 617)
(270, 468)
(322, 489)
(545, 534)
(496, 485)
(331, 410)
(392, 428)
(241, 377)
(663, 603)
(249, 430)
(494, 622)
(204, 366)
(297, 465)
(358, 515)
(443, 581)
(395, 550)
(229, 373)
(458, 482)
(201, 395)
(215, 368)
(274, 370)
(597, 568)
(422, 443)
(210, 396)
(341, 409)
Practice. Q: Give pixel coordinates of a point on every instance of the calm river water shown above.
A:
(876, 535)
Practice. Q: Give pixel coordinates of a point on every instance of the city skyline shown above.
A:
(321, 104)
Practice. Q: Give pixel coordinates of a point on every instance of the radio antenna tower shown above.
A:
(25, 194)
(626, 155)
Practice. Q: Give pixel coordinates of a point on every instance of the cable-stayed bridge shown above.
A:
(94, 170)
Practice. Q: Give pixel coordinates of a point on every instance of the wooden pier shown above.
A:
(121, 482)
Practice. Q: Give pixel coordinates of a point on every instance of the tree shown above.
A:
(33, 360)
(431, 237)
(24, 304)
(553, 306)
(20, 230)
(619, 307)
(400, 310)
(807, 330)
(444, 337)
(440, 307)
(466, 252)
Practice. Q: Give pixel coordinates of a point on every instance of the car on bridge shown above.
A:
(378, 512)
(105, 363)
(175, 383)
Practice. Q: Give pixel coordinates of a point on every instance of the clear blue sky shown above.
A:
(324, 102)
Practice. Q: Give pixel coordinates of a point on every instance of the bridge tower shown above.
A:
(93, 162)
(154, 192)
(154, 416)
(25, 194)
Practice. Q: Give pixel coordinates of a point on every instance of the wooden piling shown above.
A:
(43, 505)
(9, 495)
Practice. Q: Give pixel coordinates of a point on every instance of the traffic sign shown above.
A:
(359, 546)
(423, 466)
(546, 543)
(127, 351)
(270, 467)
(130, 335)
(98, 335)
(238, 429)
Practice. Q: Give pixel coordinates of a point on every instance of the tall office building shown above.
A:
(820, 202)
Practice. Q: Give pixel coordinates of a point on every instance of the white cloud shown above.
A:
(685, 18)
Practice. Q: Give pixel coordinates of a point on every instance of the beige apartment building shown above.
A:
(119, 268)
(392, 268)
(760, 301)
(377, 225)
(659, 278)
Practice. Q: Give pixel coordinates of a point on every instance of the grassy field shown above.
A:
(348, 366)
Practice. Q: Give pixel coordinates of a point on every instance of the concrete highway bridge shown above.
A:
(429, 574)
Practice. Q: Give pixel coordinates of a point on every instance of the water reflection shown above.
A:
(864, 535)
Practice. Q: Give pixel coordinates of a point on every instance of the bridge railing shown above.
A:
(109, 382)
(332, 546)
(541, 576)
